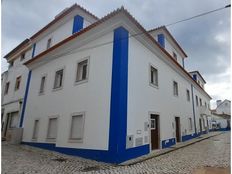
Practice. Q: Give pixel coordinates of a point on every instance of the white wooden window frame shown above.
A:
(61, 87)
(175, 92)
(77, 82)
(153, 84)
(43, 92)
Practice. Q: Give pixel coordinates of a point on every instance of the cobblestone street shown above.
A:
(212, 152)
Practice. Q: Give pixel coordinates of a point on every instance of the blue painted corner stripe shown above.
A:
(161, 40)
(78, 23)
(118, 105)
(25, 99)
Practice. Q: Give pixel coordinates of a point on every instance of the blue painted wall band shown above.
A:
(118, 104)
(78, 23)
(27, 90)
(171, 142)
(161, 40)
(25, 99)
(194, 115)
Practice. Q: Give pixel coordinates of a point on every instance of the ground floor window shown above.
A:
(52, 128)
(77, 127)
(35, 130)
(14, 119)
(190, 124)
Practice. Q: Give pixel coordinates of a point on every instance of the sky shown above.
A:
(206, 39)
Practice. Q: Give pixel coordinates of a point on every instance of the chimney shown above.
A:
(218, 102)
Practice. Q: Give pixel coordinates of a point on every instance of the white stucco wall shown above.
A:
(225, 108)
(144, 98)
(92, 97)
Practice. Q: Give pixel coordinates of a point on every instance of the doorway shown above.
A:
(154, 127)
(177, 121)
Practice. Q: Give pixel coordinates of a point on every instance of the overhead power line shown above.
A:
(68, 52)
(199, 15)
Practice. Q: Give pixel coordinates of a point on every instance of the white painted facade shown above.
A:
(73, 98)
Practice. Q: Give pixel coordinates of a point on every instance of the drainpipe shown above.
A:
(194, 115)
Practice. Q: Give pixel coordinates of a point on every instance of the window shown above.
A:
(175, 56)
(58, 79)
(197, 100)
(188, 95)
(17, 83)
(205, 105)
(82, 71)
(77, 127)
(52, 128)
(200, 102)
(35, 130)
(175, 88)
(14, 119)
(49, 42)
(7, 88)
(154, 76)
(42, 85)
(190, 124)
(22, 57)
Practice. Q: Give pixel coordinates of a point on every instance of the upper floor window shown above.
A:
(205, 105)
(82, 70)
(17, 83)
(7, 88)
(22, 57)
(49, 42)
(188, 95)
(197, 100)
(175, 56)
(153, 76)
(175, 88)
(200, 102)
(42, 85)
(58, 79)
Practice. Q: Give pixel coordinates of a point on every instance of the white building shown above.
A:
(223, 107)
(106, 92)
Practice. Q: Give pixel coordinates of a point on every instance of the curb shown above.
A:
(166, 152)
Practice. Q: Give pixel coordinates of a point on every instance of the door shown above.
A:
(7, 124)
(200, 125)
(154, 127)
(177, 121)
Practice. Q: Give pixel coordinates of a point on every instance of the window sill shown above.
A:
(153, 85)
(75, 140)
(81, 82)
(57, 89)
(175, 95)
(34, 139)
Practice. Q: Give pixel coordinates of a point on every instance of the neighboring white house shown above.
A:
(223, 107)
(107, 93)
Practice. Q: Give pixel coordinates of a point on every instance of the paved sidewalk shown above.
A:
(211, 154)
(160, 152)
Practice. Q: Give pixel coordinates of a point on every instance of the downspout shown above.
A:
(194, 114)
